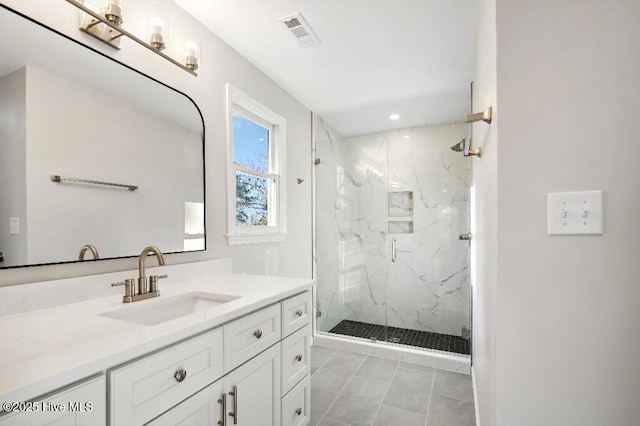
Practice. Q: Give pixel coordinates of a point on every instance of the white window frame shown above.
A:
(238, 101)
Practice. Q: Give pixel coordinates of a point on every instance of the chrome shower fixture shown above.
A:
(464, 145)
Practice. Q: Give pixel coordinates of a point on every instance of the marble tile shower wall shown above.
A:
(372, 189)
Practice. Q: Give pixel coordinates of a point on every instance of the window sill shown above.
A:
(242, 239)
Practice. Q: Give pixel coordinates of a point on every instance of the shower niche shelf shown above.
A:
(400, 212)
(400, 227)
(400, 204)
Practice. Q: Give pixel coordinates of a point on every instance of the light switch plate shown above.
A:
(574, 213)
(14, 226)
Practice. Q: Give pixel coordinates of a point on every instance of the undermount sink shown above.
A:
(168, 309)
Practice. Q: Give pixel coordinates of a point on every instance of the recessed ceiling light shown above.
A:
(406, 137)
(394, 116)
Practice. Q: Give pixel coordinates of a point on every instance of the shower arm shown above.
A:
(472, 118)
(480, 116)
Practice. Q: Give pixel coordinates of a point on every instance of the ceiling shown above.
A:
(376, 57)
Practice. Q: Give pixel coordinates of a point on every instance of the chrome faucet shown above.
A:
(92, 248)
(144, 291)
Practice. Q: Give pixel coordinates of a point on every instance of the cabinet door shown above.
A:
(81, 405)
(206, 408)
(253, 391)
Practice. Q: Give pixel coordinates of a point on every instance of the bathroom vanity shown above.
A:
(215, 348)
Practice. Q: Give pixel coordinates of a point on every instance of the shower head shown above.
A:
(459, 147)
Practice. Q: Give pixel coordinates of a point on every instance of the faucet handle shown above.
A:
(153, 282)
(129, 289)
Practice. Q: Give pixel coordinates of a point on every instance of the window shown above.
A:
(256, 138)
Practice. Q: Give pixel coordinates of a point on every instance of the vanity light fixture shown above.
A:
(157, 38)
(111, 32)
(394, 116)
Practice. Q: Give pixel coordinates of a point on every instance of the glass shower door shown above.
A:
(428, 287)
(389, 209)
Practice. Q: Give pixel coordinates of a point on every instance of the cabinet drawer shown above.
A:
(296, 313)
(296, 357)
(296, 405)
(83, 404)
(143, 389)
(250, 335)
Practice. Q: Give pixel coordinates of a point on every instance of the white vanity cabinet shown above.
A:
(245, 372)
(83, 404)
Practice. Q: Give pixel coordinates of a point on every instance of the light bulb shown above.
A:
(157, 25)
(191, 48)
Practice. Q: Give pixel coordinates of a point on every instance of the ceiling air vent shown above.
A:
(300, 30)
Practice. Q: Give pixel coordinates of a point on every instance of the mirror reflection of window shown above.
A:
(193, 226)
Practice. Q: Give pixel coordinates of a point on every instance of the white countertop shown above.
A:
(43, 350)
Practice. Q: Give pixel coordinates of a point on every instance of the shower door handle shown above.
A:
(394, 250)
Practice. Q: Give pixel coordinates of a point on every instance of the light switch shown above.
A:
(14, 226)
(574, 213)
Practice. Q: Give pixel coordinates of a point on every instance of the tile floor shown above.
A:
(353, 389)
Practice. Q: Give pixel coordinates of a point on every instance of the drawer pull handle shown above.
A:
(223, 401)
(180, 375)
(299, 357)
(299, 312)
(298, 411)
(234, 414)
(258, 334)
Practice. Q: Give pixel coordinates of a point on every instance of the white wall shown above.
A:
(484, 245)
(13, 166)
(565, 317)
(219, 64)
